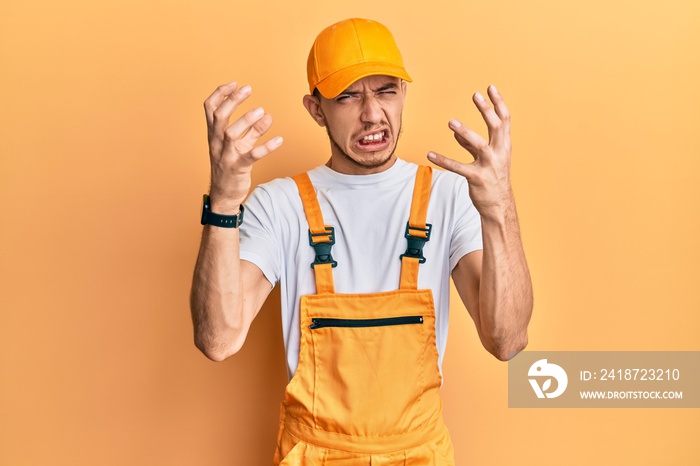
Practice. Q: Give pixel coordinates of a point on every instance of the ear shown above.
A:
(313, 106)
(404, 88)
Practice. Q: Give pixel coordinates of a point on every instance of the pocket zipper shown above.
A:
(321, 322)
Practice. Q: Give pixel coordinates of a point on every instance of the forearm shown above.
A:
(216, 301)
(505, 289)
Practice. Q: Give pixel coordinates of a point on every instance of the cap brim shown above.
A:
(337, 82)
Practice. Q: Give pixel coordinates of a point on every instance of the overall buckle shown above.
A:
(416, 243)
(323, 249)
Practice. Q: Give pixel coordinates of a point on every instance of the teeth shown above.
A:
(374, 137)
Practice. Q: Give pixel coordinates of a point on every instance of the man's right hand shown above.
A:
(232, 148)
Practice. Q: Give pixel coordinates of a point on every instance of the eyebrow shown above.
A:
(385, 87)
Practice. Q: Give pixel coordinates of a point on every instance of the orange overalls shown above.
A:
(365, 391)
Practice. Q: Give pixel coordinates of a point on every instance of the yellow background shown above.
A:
(104, 160)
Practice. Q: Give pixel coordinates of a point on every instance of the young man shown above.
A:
(363, 248)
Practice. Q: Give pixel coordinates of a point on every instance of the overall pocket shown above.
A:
(323, 322)
(369, 374)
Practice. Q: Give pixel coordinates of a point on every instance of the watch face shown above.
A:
(205, 209)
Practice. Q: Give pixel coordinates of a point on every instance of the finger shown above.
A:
(469, 139)
(261, 151)
(215, 99)
(222, 114)
(500, 107)
(464, 169)
(243, 124)
(247, 142)
(493, 122)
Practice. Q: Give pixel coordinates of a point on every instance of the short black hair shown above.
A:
(317, 93)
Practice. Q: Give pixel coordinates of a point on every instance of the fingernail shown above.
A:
(455, 123)
(232, 83)
(479, 97)
(258, 112)
(245, 90)
(277, 141)
(493, 88)
(432, 156)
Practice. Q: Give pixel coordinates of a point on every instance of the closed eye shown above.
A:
(343, 97)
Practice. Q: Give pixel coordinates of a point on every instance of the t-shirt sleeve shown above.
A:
(466, 235)
(258, 242)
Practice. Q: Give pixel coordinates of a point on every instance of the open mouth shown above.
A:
(373, 141)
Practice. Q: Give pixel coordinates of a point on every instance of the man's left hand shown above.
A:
(489, 174)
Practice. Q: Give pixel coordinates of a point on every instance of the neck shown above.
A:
(352, 168)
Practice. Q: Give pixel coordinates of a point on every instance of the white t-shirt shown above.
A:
(369, 214)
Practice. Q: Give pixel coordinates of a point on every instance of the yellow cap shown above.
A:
(350, 50)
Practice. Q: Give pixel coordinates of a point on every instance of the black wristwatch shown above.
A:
(226, 221)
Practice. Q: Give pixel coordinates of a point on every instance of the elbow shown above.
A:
(216, 336)
(217, 351)
(506, 340)
(211, 353)
(505, 349)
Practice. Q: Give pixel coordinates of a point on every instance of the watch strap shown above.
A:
(219, 220)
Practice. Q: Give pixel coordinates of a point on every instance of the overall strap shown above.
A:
(417, 231)
(321, 237)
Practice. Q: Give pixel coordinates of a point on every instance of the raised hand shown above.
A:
(489, 174)
(494, 283)
(234, 148)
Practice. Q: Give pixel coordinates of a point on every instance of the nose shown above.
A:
(371, 110)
